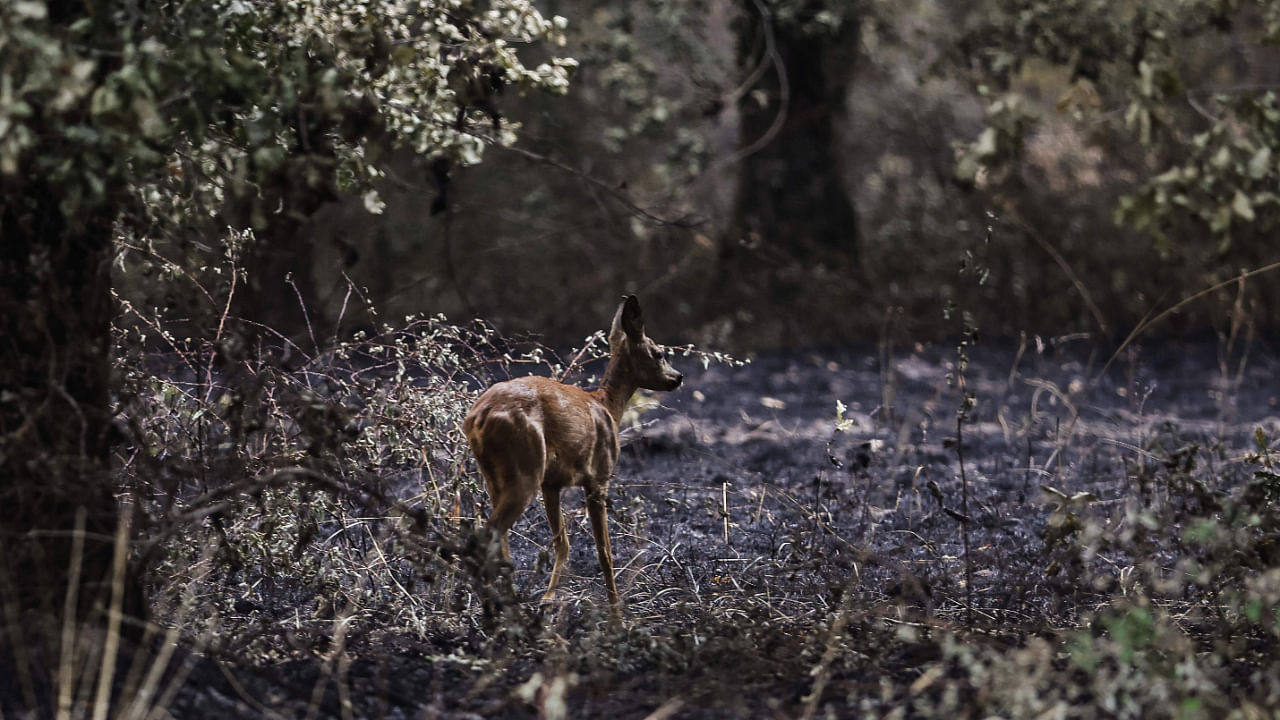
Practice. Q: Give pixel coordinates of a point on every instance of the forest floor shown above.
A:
(776, 566)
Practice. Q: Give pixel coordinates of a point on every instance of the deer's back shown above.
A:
(578, 439)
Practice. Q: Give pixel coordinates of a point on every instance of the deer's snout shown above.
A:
(675, 383)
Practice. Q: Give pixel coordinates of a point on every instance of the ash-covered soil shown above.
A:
(749, 488)
(751, 526)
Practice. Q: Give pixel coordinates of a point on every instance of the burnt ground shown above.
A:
(774, 565)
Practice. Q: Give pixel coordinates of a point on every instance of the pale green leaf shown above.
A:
(986, 145)
(1260, 163)
(1221, 159)
(1242, 206)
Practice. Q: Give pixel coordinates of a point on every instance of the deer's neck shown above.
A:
(615, 390)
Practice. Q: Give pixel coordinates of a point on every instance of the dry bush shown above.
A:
(313, 512)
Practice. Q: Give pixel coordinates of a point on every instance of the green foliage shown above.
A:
(1000, 144)
(646, 113)
(1147, 69)
(227, 92)
(1228, 179)
(1185, 602)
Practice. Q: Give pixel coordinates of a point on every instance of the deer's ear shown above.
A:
(628, 321)
(632, 319)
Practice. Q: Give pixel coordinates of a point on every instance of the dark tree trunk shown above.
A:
(281, 291)
(59, 517)
(55, 415)
(791, 208)
(58, 511)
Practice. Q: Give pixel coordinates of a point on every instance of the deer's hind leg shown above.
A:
(559, 539)
(512, 473)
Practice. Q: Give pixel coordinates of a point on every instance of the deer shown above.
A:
(532, 434)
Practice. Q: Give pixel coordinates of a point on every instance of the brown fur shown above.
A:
(534, 434)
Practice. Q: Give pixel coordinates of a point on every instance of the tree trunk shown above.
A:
(282, 291)
(55, 415)
(792, 211)
(281, 255)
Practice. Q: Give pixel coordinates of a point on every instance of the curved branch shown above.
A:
(626, 201)
(784, 95)
(1061, 263)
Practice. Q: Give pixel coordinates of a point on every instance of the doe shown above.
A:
(533, 433)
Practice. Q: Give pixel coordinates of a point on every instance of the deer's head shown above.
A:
(639, 357)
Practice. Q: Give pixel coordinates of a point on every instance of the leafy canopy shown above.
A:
(99, 99)
(1207, 126)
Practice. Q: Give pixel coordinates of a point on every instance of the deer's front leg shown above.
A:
(597, 509)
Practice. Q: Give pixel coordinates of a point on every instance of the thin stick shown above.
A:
(964, 524)
(724, 508)
(1062, 264)
(342, 312)
(72, 601)
(822, 672)
(120, 561)
(1142, 326)
(574, 362)
(302, 304)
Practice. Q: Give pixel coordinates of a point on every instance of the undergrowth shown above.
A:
(315, 512)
